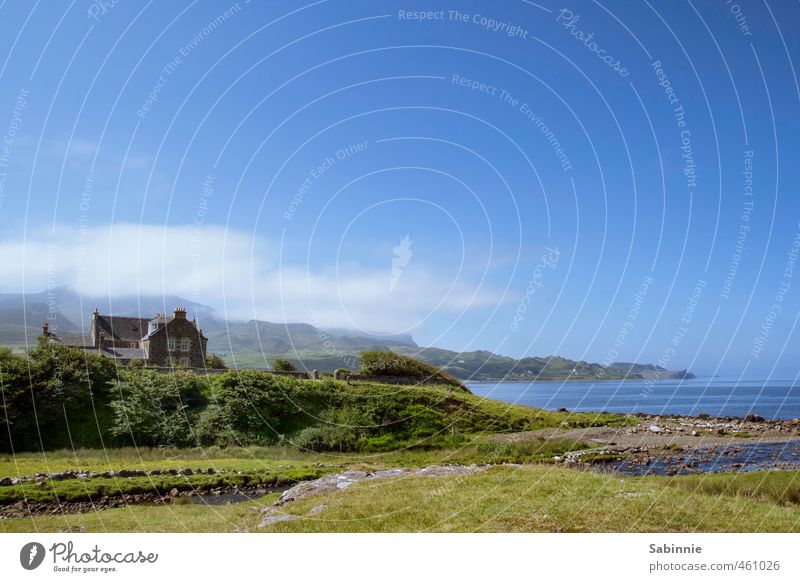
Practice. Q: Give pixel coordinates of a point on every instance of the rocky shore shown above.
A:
(680, 445)
(660, 431)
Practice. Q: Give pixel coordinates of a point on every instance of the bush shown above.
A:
(54, 396)
(156, 409)
(247, 407)
(216, 362)
(283, 365)
(378, 363)
(342, 429)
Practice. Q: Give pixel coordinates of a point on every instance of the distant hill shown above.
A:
(67, 311)
(21, 324)
(255, 344)
(258, 337)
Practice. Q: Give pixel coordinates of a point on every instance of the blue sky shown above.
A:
(268, 159)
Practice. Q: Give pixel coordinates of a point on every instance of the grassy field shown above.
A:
(521, 489)
(503, 498)
(535, 498)
(251, 466)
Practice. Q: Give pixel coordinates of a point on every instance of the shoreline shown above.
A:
(659, 435)
(551, 381)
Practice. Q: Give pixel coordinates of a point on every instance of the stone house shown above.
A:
(160, 341)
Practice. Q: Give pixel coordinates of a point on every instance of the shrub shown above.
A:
(216, 362)
(247, 407)
(283, 365)
(54, 396)
(341, 430)
(341, 373)
(378, 363)
(155, 409)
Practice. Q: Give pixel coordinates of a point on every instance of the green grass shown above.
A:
(139, 406)
(146, 459)
(178, 518)
(529, 498)
(268, 466)
(780, 487)
(466, 413)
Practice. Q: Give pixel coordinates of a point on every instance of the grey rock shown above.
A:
(277, 518)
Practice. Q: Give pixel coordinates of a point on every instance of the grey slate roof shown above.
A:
(74, 339)
(125, 353)
(122, 328)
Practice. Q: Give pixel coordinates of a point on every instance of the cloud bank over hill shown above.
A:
(240, 274)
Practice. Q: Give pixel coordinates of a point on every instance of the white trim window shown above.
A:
(185, 344)
(171, 344)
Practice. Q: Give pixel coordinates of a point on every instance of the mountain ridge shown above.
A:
(255, 343)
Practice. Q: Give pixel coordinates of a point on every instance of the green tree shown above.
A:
(156, 409)
(283, 365)
(216, 362)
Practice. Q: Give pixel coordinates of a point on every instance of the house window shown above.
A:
(184, 344)
(171, 344)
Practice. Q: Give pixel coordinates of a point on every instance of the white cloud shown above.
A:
(234, 271)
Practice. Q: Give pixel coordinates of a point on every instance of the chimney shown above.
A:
(180, 313)
(95, 330)
(45, 329)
